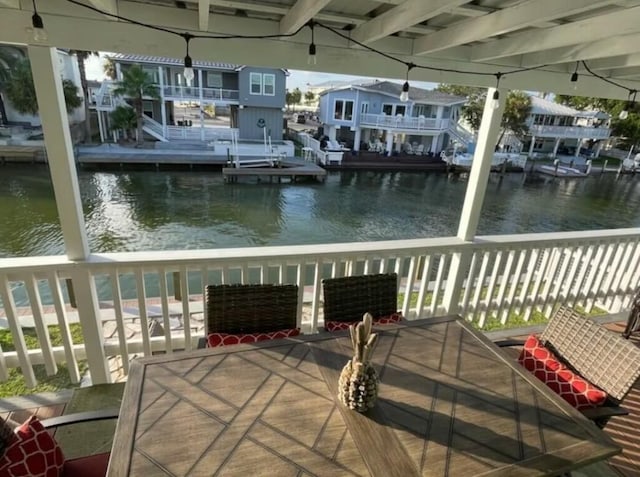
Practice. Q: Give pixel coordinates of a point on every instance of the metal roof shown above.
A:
(161, 60)
(461, 41)
(418, 95)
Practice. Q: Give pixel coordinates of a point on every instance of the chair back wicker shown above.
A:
(349, 298)
(599, 355)
(633, 321)
(251, 308)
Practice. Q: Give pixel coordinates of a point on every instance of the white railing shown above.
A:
(383, 121)
(193, 92)
(502, 278)
(459, 133)
(197, 133)
(577, 132)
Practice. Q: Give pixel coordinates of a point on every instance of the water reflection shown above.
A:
(151, 210)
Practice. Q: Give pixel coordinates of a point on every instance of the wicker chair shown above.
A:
(251, 308)
(346, 299)
(602, 357)
(633, 322)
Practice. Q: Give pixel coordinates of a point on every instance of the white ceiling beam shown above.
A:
(105, 5)
(203, 15)
(300, 13)
(614, 46)
(614, 62)
(10, 3)
(500, 22)
(624, 72)
(402, 16)
(599, 27)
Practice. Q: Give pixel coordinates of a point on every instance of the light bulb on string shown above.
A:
(39, 34)
(495, 101)
(574, 76)
(624, 114)
(404, 95)
(312, 59)
(188, 62)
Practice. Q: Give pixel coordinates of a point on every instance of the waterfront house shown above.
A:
(558, 129)
(371, 116)
(482, 278)
(222, 99)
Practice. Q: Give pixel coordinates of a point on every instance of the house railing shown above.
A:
(383, 121)
(197, 133)
(193, 93)
(502, 278)
(576, 132)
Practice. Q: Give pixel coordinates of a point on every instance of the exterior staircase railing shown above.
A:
(153, 128)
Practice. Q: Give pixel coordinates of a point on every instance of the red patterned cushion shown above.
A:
(572, 387)
(90, 466)
(223, 339)
(344, 325)
(34, 453)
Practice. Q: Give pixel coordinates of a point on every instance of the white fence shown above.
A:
(501, 278)
(383, 121)
(193, 93)
(576, 132)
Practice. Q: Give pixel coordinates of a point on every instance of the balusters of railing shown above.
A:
(17, 335)
(575, 264)
(63, 324)
(300, 283)
(42, 331)
(409, 286)
(584, 265)
(527, 282)
(480, 285)
(315, 301)
(599, 281)
(614, 294)
(506, 308)
(468, 285)
(119, 317)
(488, 302)
(142, 311)
(629, 283)
(591, 274)
(437, 289)
(505, 281)
(424, 285)
(549, 277)
(565, 255)
(612, 272)
(183, 283)
(164, 300)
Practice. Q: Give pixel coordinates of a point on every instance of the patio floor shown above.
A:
(624, 430)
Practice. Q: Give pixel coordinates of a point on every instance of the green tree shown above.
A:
(296, 96)
(109, 68)
(517, 108)
(123, 118)
(82, 56)
(21, 91)
(136, 85)
(9, 56)
(309, 96)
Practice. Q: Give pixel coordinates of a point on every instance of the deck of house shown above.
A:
(624, 430)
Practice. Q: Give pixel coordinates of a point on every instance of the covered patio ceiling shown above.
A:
(483, 36)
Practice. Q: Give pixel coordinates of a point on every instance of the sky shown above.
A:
(296, 79)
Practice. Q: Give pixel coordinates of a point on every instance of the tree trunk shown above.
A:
(139, 121)
(3, 112)
(85, 94)
(500, 138)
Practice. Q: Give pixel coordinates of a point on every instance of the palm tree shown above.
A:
(123, 118)
(136, 85)
(81, 56)
(21, 91)
(8, 58)
(109, 68)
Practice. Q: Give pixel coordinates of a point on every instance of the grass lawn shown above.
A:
(16, 386)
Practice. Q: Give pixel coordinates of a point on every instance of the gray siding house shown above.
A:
(222, 101)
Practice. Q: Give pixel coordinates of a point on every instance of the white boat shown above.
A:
(463, 160)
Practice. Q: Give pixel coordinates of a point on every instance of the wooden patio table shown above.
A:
(450, 403)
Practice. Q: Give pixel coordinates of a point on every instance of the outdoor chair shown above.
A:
(633, 322)
(347, 299)
(250, 313)
(17, 451)
(420, 149)
(587, 365)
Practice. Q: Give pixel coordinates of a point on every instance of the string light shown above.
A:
(574, 76)
(495, 102)
(188, 63)
(404, 96)
(312, 59)
(39, 33)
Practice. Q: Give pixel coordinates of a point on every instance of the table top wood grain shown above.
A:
(450, 404)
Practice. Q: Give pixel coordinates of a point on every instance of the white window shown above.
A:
(256, 83)
(214, 80)
(152, 72)
(269, 84)
(364, 108)
(343, 110)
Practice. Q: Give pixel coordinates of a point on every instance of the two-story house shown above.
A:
(558, 129)
(372, 116)
(222, 100)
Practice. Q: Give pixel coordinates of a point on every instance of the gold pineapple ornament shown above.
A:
(358, 384)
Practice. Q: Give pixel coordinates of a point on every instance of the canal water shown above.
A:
(173, 210)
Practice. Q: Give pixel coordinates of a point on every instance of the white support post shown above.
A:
(163, 104)
(474, 197)
(389, 142)
(201, 94)
(55, 125)
(578, 145)
(533, 142)
(100, 125)
(555, 147)
(356, 139)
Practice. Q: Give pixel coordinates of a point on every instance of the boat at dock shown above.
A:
(463, 160)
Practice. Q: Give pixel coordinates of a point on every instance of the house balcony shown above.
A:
(193, 93)
(569, 132)
(404, 123)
